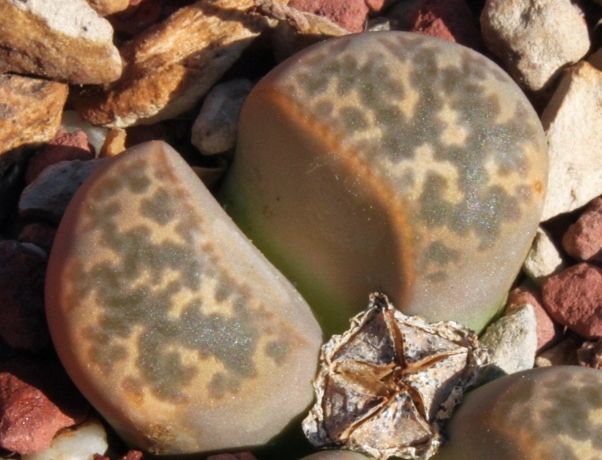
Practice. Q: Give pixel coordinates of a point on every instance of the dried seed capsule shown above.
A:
(390, 162)
(386, 386)
(165, 316)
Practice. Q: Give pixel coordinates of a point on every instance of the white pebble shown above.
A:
(72, 122)
(80, 443)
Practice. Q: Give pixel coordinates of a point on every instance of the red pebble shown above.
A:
(448, 19)
(549, 332)
(377, 5)
(37, 399)
(349, 14)
(64, 146)
(583, 239)
(574, 298)
(22, 272)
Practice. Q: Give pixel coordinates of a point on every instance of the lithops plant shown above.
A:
(167, 318)
(390, 162)
(551, 413)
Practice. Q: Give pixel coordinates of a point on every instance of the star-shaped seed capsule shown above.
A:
(388, 383)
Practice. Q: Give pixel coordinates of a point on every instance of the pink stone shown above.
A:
(64, 146)
(377, 5)
(448, 19)
(37, 399)
(549, 332)
(574, 299)
(42, 235)
(22, 320)
(349, 14)
(583, 239)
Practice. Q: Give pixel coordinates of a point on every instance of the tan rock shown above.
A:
(543, 259)
(572, 122)
(564, 353)
(106, 7)
(296, 29)
(69, 43)
(534, 39)
(30, 112)
(168, 68)
(114, 143)
(511, 342)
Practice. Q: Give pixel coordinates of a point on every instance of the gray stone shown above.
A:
(214, 130)
(47, 197)
(511, 342)
(543, 259)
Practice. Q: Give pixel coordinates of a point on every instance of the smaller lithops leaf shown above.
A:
(386, 385)
(167, 318)
(550, 413)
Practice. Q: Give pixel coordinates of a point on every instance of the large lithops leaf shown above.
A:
(391, 162)
(166, 317)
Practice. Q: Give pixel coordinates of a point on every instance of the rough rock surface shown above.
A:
(296, 30)
(590, 354)
(583, 239)
(37, 399)
(574, 298)
(71, 43)
(39, 234)
(595, 59)
(22, 320)
(214, 130)
(564, 353)
(511, 342)
(572, 120)
(448, 19)
(72, 122)
(543, 259)
(349, 14)
(168, 68)
(114, 143)
(47, 197)
(30, 112)
(534, 39)
(106, 7)
(549, 332)
(63, 146)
